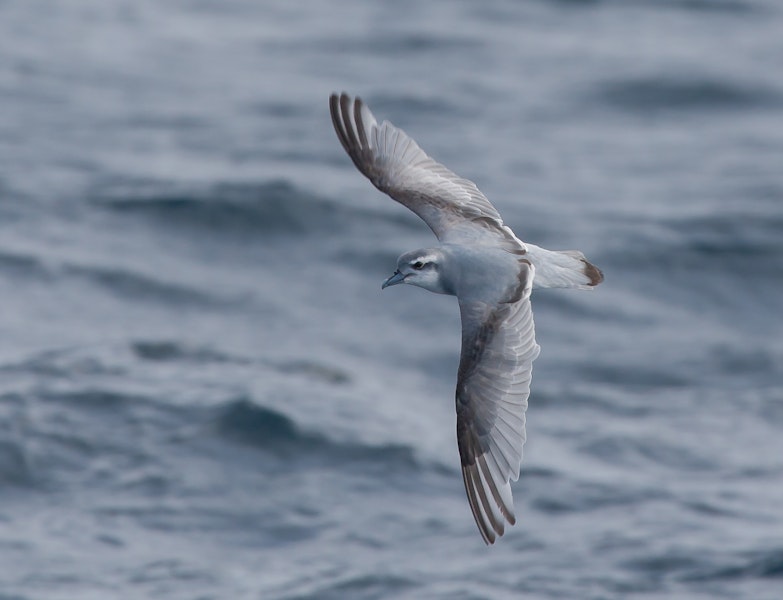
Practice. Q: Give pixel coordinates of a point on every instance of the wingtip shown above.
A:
(490, 510)
(487, 533)
(336, 99)
(345, 97)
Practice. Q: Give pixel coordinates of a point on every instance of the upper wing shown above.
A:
(452, 207)
(493, 385)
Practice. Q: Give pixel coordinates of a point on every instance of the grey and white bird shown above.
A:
(491, 272)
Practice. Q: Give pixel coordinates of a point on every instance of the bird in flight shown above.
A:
(491, 272)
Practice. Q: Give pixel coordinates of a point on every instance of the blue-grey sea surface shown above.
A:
(204, 394)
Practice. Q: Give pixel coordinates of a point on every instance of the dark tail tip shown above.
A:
(593, 273)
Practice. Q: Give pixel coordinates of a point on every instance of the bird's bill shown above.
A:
(394, 280)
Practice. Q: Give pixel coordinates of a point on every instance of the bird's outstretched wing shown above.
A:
(453, 207)
(493, 385)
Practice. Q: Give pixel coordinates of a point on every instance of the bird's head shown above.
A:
(422, 268)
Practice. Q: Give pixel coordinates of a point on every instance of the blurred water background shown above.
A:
(203, 391)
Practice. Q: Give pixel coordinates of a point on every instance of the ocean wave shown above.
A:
(678, 563)
(16, 264)
(724, 243)
(61, 363)
(131, 285)
(728, 235)
(700, 6)
(15, 468)
(752, 565)
(96, 399)
(707, 6)
(172, 351)
(374, 586)
(61, 438)
(315, 370)
(272, 208)
(678, 93)
(383, 43)
(682, 565)
(262, 427)
(648, 452)
(566, 496)
(633, 376)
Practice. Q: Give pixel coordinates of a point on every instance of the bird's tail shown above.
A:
(563, 269)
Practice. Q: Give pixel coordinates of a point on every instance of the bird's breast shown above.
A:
(482, 273)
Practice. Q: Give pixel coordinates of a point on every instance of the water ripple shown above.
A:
(671, 93)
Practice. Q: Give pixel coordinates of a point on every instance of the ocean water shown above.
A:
(204, 394)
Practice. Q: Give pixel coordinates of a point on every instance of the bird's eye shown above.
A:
(418, 265)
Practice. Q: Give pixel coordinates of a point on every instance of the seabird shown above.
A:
(491, 272)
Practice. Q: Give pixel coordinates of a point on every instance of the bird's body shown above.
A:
(480, 272)
(492, 273)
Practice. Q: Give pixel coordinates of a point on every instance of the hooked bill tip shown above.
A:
(393, 280)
